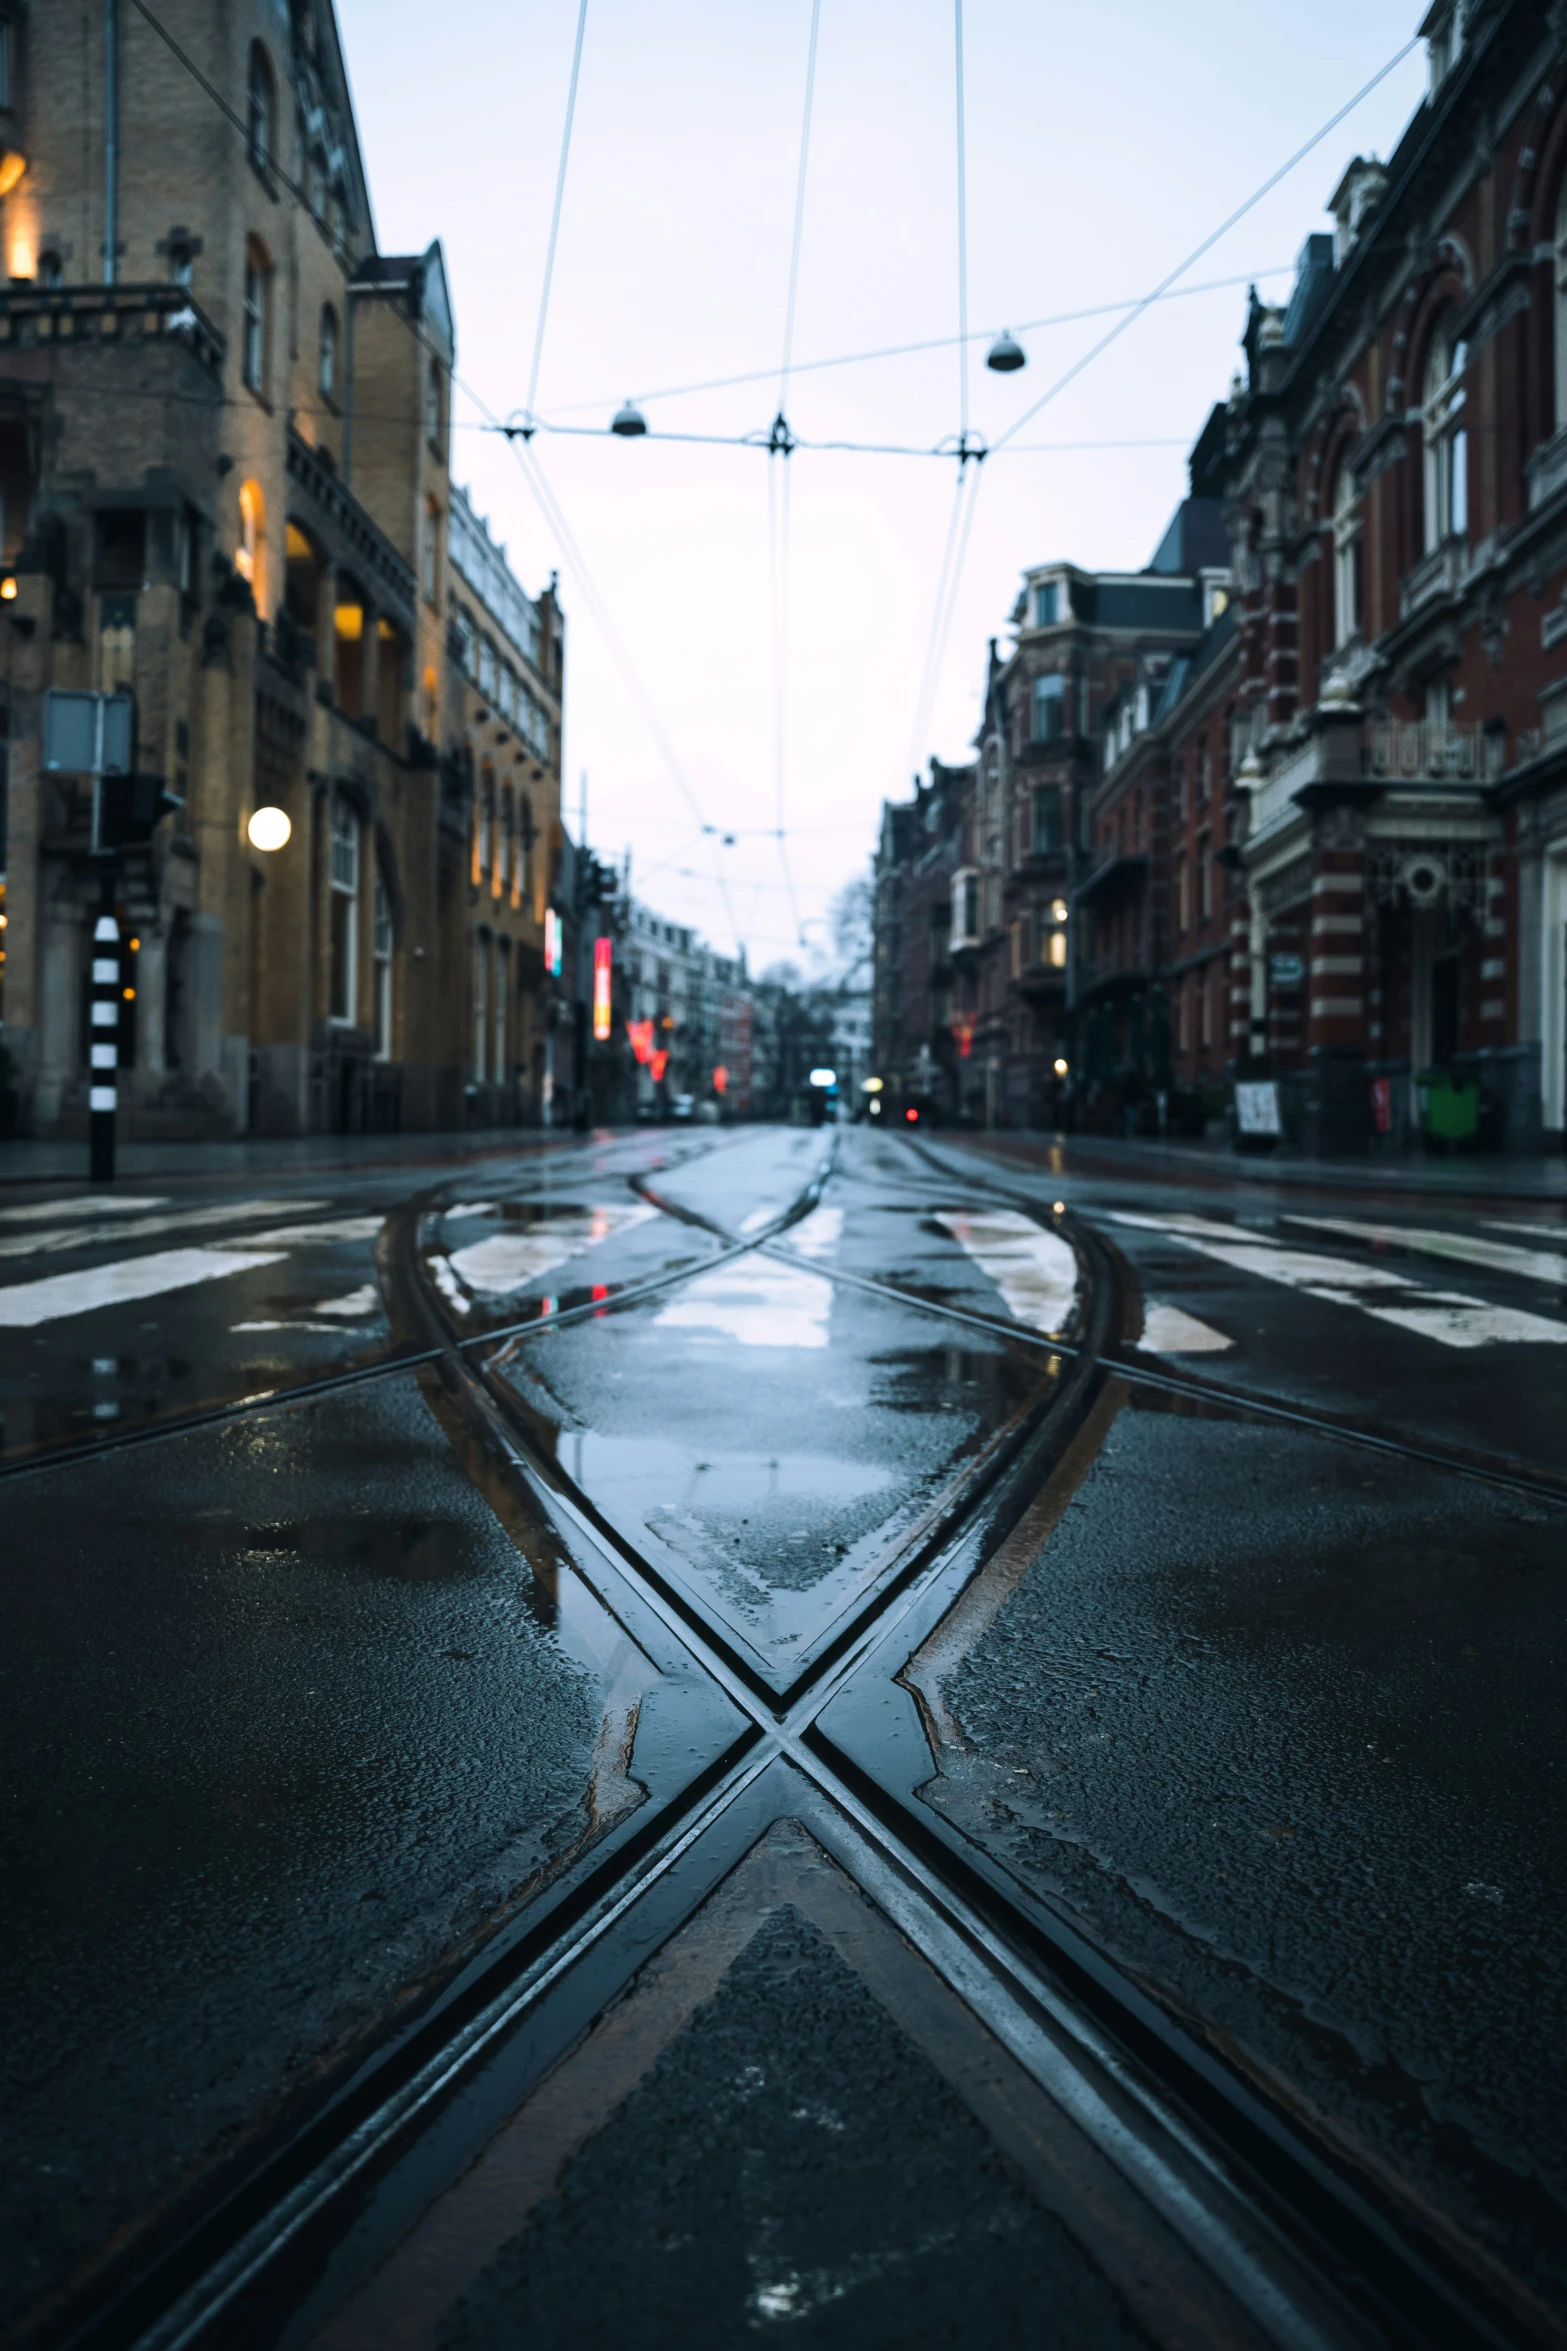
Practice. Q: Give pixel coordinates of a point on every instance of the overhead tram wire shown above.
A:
(780, 443)
(560, 195)
(1208, 242)
(966, 492)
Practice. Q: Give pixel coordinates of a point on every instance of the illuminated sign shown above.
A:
(659, 1064)
(641, 1034)
(720, 1080)
(603, 1018)
(824, 1077)
(552, 944)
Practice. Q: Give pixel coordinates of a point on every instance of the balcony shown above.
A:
(1441, 574)
(1431, 753)
(1547, 469)
(1113, 875)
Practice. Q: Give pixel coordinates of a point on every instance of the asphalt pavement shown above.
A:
(910, 1739)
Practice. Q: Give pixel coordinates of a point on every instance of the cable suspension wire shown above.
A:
(780, 444)
(560, 193)
(938, 607)
(1021, 326)
(962, 162)
(1208, 242)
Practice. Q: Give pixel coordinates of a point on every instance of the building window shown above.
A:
(254, 323)
(1561, 307)
(182, 265)
(525, 838)
(503, 862)
(432, 407)
(502, 995)
(5, 65)
(326, 372)
(1049, 709)
(1446, 441)
(1346, 558)
(481, 1019)
(258, 119)
(1049, 830)
(1204, 772)
(965, 908)
(432, 549)
(466, 651)
(383, 971)
(51, 270)
(1204, 881)
(1047, 605)
(249, 554)
(344, 894)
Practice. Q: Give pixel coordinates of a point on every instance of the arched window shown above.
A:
(432, 407)
(1446, 440)
(326, 372)
(259, 111)
(255, 324)
(1347, 565)
(250, 553)
(1561, 307)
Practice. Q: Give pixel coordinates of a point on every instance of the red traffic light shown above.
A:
(913, 1117)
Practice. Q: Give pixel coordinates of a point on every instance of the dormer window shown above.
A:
(1047, 604)
(1443, 34)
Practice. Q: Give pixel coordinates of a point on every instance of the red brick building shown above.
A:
(1321, 833)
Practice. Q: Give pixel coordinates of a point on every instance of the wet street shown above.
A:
(698, 1734)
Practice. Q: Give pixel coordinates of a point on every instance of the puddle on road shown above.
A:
(507, 1271)
(789, 1498)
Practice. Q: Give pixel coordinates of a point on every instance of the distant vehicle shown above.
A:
(708, 1114)
(683, 1106)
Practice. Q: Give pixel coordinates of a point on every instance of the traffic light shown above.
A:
(130, 809)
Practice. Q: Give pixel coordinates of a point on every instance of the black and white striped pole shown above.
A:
(104, 1049)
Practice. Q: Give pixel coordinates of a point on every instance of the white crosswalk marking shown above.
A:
(756, 1301)
(1035, 1271)
(1450, 1317)
(1533, 1265)
(1170, 1330)
(23, 1305)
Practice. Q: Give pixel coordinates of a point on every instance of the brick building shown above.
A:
(1322, 837)
(224, 436)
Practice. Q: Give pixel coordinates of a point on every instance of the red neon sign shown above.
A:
(641, 1034)
(603, 1018)
(659, 1064)
(720, 1080)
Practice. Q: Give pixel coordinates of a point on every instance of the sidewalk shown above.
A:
(29, 1162)
(1470, 1177)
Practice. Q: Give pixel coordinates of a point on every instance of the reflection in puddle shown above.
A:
(756, 1302)
(504, 1263)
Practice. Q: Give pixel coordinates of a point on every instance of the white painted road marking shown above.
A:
(817, 1235)
(1035, 1271)
(504, 1263)
(1170, 1330)
(42, 1210)
(23, 1305)
(147, 1228)
(1532, 1265)
(1448, 1316)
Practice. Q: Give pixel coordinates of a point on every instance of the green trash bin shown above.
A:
(1449, 1111)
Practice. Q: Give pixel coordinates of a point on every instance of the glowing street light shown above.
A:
(269, 829)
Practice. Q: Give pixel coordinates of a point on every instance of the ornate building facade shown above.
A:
(1319, 836)
(225, 424)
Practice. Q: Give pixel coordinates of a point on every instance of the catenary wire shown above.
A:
(962, 168)
(1023, 326)
(1208, 242)
(560, 194)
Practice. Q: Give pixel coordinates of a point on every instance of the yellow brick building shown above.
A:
(225, 428)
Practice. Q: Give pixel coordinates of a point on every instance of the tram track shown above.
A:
(1301, 2247)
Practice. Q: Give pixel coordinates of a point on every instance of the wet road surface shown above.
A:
(893, 1739)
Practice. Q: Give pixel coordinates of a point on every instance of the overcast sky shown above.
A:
(1104, 143)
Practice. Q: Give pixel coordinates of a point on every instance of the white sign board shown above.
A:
(87, 734)
(1257, 1107)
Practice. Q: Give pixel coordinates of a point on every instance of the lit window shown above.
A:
(252, 538)
(1446, 441)
(326, 375)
